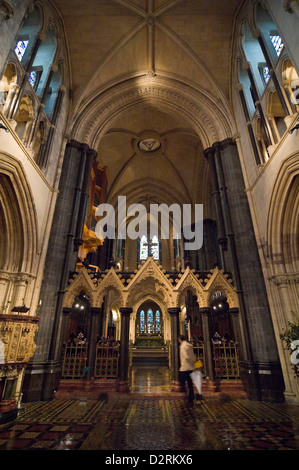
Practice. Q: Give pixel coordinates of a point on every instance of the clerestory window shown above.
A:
(20, 49)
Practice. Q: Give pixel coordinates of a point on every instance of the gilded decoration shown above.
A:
(17, 333)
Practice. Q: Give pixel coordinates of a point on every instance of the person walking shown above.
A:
(187, 359)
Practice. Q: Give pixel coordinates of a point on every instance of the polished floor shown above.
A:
(152, 418)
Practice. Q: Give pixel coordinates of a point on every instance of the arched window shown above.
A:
(145, 246)
(27, 36)
(272, 38)
(149, 320)
(44, 59)
(255, 57)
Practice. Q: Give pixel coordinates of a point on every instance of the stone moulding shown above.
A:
(209, 117)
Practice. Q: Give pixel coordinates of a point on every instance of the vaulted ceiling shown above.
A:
(115, 42)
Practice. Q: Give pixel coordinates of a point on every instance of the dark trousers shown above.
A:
(183, 376)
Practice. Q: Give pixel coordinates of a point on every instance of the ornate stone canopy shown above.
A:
(150, 281)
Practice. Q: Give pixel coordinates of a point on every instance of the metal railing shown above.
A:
(74, 359)
(226, 360)
(107, 359)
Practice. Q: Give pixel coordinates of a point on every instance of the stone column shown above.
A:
(92, 335)
(258, 104)
(249, 126)
(175, 357)
(124, 349)
(234, 314)
(13, 91)
(91, 157)
(43, 373)
(222, 239)
(260, 369)
(209, 366)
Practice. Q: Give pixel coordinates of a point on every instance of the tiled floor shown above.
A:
(153, 419)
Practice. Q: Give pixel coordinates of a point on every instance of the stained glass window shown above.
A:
(142, 321)
(266, 74)
(32, 78)
(20, 49)
(150, 321)
(144, 248)
(155, 248)
(158, 322)
(277, 43)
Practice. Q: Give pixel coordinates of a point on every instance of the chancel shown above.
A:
(190, 106)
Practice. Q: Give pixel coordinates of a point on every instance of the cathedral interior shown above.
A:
(119, 107)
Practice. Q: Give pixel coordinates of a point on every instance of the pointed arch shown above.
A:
(19, 224)
(283, 219)
(81, 282)
(202, 110)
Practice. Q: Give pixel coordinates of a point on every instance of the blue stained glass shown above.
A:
(266, 74)
(277, 43)
(149, 320)
(32, 78)
(157, 321)
(142, 321)
(20, 49)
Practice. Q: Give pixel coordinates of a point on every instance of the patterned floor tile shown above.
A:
(140, 421)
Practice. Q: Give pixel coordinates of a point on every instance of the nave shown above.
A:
(152, 418)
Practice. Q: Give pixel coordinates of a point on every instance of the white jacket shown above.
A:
(187, 356)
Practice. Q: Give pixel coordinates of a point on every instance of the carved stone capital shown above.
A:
(288, 6)
(285, 280)
(6, 10)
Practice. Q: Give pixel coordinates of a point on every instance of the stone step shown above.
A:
(149, 356)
